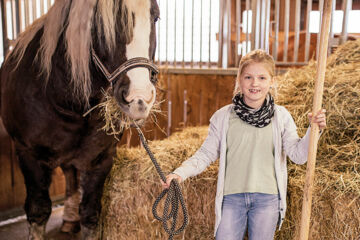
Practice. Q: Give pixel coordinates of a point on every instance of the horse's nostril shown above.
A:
(123, 98)
(140, 102)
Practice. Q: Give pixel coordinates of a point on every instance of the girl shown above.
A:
(252, 136)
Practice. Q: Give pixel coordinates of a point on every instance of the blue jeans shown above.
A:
(259, 212)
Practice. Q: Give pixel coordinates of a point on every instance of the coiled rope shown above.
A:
(174, 196)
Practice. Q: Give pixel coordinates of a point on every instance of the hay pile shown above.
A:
(336, 201)
(133, 183)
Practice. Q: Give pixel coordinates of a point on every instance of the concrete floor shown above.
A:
(19, 230)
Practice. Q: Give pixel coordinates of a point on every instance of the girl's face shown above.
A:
(255, 82)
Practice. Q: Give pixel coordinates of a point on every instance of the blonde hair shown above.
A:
(255, 56)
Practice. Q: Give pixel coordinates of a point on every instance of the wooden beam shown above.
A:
(314, 135)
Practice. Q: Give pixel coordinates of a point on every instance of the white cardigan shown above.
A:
(286, 143)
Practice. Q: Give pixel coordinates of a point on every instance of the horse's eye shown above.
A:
(156, 19)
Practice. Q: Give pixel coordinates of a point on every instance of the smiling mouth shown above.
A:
(254, 90)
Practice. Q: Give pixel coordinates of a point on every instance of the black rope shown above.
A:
(174, 196)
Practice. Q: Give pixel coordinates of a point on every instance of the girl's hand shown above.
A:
(320, 119)
(170, 177)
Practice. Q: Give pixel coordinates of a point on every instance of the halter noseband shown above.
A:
(126, 66)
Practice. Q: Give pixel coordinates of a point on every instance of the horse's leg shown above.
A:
(37, 178)
(92, 183)
(71, 217)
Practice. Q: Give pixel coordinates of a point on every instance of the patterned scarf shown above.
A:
(259, 118)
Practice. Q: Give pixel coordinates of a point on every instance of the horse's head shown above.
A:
(115, 31)
(127, 60)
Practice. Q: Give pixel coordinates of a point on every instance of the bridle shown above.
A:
(126, 66)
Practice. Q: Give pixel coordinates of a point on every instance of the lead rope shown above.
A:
(174, 195)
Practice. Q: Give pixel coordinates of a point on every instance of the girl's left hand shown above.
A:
(320, 118)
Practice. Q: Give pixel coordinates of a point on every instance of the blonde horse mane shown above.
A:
(76, 19)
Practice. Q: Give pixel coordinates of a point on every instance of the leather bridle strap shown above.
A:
(126, 66)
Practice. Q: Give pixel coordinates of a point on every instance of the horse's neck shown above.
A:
(61, 86)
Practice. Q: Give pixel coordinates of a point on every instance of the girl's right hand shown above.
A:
(169, 178)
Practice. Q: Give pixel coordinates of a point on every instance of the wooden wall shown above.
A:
(205, 93)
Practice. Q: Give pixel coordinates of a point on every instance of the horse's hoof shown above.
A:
(36, 232)
(88, 233)
(70, 227)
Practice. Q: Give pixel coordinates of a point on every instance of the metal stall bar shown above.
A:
(267, 27)
(255, 31)
(331, 35)
(238, 11)
(297, 28)
(48, 4)
(347, 5)
(221, 32)
(41, 7)
(321, 6)
(183, 54)
(14, 22)
(307, 36)
(34, 10)
(201, 29)
(333, 7)
(185, 107)
(228, 37)
(4, 29)
(247, 6)
(276, 20)
(27, 13)
(192, 35)
(158, 40)
(167, 34)
(209, 62)
(175, 34)
(262, 23)
(286, 35)
(19, 15)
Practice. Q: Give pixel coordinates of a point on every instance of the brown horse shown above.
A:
(55, 73)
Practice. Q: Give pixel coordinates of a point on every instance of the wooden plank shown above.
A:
(57, 187)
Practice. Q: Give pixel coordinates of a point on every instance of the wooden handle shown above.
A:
(314, 135)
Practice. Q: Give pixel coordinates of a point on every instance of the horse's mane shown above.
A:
(76, 20)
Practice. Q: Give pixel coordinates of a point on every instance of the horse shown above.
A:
(58, 70)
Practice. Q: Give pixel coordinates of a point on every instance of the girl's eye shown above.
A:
(247, 77)
(263, 78)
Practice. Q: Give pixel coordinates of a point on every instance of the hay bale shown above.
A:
(133, 183)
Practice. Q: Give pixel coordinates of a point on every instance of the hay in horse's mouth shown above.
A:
(116, 121)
